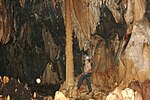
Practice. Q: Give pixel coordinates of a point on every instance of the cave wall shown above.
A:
(136, 56)
(116, 28)
(37, 35)
(86, 15)
(37, 29)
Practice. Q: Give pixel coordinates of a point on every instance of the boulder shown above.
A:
(60, 96)
(112, 96)
(126, 94)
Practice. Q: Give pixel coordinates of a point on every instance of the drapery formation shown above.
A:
(86, 17)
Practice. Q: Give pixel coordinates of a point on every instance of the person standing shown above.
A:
(86, 74)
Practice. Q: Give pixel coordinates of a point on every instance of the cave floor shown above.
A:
(15, 90)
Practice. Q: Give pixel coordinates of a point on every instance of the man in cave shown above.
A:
(86, 74)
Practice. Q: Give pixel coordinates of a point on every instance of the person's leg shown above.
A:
(80, 81)
(88, 83)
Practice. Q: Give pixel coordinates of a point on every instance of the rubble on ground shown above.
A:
(135, 90)
(12, 89)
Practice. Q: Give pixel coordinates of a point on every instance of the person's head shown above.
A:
(86, 58)
(49, 65)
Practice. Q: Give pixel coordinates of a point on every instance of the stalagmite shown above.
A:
(5, 79)
(1, 79)
(34, 96)
(8, 97)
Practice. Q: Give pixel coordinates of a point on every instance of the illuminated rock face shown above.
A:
(126, 94)
(134, 62)
(86, 16)
(137, 53)
(60, 96)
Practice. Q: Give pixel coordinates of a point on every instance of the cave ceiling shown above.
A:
(86, 15)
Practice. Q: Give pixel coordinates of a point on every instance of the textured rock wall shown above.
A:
(136, 56)
(86, 15)
(32, 31)
(85, 18)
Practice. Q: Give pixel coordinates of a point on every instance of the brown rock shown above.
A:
(135, 57)
(60, 96)
(48, 98)
(137, 96)
(128, 93)
(112, 96)
(73, 91)
(135, 85)
(118, 91)
(1, 97)
(146, 90)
